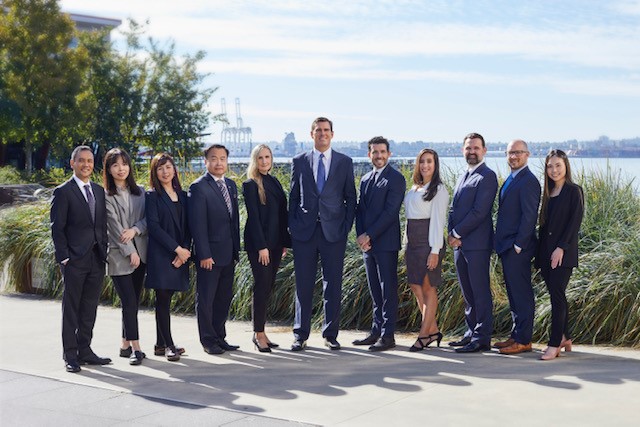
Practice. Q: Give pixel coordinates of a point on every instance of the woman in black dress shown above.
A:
(265, 235)
(560, 219)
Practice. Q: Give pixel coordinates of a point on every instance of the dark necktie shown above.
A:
(371, 183)
(506, 184)
(91, 201)
(225, 194)
(321, 174)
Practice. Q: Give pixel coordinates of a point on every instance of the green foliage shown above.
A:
(10, 175)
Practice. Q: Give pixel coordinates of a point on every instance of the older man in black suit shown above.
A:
(79, 231)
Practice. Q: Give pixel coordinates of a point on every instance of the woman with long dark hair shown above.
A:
(169, 247)
(426, 205)
(127, 229)
(560, 219)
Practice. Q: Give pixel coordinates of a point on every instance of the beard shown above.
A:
(472, 159)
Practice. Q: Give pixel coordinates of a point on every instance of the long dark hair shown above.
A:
(110, 158)
(549, 184)
(159, 160)
(435, 180)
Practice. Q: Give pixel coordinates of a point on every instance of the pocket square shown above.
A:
(382, 182)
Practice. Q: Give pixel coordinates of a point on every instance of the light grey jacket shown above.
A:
(118, 219)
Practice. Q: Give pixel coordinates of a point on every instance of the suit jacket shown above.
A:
(518, 213)
(216, 234)
(378, 211)
(73, 230)
(334, 207)
(470, 213)
(266, 226)
(167, 229)
(561, 227)
(120, 217)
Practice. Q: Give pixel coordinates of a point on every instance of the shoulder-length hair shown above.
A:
(430, 193)
(109, 183)
(549, 184)
(159, 160)
(253, 172)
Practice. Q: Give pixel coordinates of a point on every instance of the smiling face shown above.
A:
(216, 162)
(556, 170)
(82, 165)
(165, 173)
(322, 135)
(265, 161)
(517, 155)
(119, 171)
(379, 155)
(473, 151)
(427, 167)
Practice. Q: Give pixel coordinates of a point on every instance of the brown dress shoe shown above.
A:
(516, 348)
(503, 344)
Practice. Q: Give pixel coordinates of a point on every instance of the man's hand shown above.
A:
(207, 264)
(263, 256)
(453, 242)
(556, 257)
(364, 241)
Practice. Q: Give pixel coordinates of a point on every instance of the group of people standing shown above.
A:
(147, 238)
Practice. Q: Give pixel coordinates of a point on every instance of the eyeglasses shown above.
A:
(516, 153)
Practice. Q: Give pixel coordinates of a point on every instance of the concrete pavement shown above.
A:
(589, 386)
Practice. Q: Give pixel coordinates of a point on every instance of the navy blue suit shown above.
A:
(216, 234)
(516, 225)
(470, 217)
(319, 225)
(378, 215)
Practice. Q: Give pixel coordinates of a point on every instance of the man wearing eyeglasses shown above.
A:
(515, 244)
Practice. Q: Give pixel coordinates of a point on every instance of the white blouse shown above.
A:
(434, 209)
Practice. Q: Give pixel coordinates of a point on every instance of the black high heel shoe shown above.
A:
(438, 338)
(266, 349)
(422, 345)
(273, 345)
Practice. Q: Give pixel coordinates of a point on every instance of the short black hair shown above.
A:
(321, 119)
(378, 140)
(474, 135)
(215, 147)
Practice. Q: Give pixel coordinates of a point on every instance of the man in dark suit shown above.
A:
(215, 226)
(79, 232)
(322, 207)
(378, 230)
(516, 244)
(471, 236)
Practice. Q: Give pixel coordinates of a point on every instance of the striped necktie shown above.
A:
(225, 194)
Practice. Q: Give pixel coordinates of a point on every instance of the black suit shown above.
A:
(266, 228)
(83, 241)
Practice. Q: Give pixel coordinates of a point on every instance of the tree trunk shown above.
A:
(28, 156)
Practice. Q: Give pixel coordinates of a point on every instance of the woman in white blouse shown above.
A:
(426, 206)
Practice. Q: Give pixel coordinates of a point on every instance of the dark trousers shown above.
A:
(214, 294)
(264, 277)
(516, 270)
(557, 280)
(382, 277)
(82, 285)
(472, 268)
(163, 318)
(129, 288)
(306, 265)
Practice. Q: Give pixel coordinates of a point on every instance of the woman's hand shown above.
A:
(263, 256)
(127, 235)
(432, 261)
(134, 260)
(556, 257)
(183, 254)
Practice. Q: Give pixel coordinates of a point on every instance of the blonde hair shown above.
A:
(253, 172)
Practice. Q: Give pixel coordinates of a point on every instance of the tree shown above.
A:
(42, 75)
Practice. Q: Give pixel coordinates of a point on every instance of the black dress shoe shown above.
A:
(158, 350)
(473, 347)
(136, 358)
(298, 345)
(72, 366)
(464, 341)
(126, 352)
(228, 347)
(93, 359)
(171, 353)
(383, 343)
(332, 343)
(370, 340)
(213, 349)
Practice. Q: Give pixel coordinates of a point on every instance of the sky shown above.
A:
(544, 70)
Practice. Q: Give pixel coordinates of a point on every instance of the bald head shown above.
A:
(517, 154)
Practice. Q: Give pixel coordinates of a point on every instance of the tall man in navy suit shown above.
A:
(214, 223)
(516, 244)
(378, 230)
(471, 236)
(322, 207)
(79, 232)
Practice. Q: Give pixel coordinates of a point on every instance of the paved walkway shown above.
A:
(589, 386)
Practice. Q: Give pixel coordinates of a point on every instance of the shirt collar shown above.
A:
(327, 153)
(473, 168)
(216, 179)
(517, 171)
(81, 184)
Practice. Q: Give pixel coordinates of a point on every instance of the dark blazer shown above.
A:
(378, 211)
(335, 206)
(561, 227)
(73, 230)
(167, 230)
(266, 226)
(470, 213)
(216, 234)
(518, 213)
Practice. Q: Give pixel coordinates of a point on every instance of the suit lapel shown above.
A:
(214, 185)
(78, 193)
(172, 210)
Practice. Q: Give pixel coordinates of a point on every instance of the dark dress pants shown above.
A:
(129, 288)
(306, 265)
(82, 285)
(264, 277)
(557, 280)
(382, 277)
(473, 274)
(163, 317)
(213, 299)
(516, 270)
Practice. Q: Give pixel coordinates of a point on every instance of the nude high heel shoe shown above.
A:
(551, 353)
(566, 344)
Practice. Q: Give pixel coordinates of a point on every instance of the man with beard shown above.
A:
(471, 237)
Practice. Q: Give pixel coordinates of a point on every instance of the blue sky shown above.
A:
(410, 70)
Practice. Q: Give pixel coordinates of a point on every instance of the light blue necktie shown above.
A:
(506, 184)
(321, 175)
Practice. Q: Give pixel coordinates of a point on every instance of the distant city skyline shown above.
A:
(410, 70)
